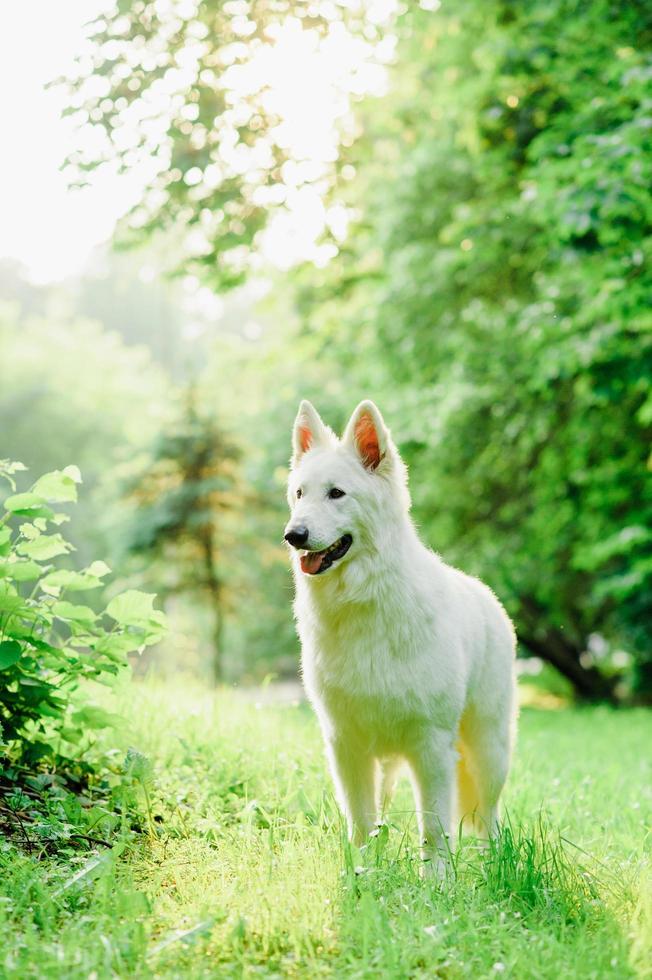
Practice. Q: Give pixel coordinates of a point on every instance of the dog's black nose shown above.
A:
(297, 536)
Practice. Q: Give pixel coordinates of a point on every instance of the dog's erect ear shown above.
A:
(309, 432)
(368, 435)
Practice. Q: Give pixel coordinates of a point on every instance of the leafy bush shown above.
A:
(50, 645)
(500, 276)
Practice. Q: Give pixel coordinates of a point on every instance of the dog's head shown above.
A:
(344, 493)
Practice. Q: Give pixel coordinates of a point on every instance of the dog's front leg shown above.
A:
(353, 772)
(432, 762)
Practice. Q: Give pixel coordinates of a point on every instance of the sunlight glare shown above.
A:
(307, 81)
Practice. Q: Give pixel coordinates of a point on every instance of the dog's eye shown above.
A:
(335, 493)
(299, 493)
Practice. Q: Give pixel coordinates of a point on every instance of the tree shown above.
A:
(182, 494)
(500, 273)
(181, 93)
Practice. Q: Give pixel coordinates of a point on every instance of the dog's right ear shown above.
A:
(309, 432)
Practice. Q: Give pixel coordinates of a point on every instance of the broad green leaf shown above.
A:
(98, 568)
(10, 653)
(116, 646)
(73, 472)
(30, 531)
(57, 486)
(74, 614)
(34, 690)
(28, 505)
(51, 590)
(92, 716)
(132, 608)
(12, 604)
(60, 519)
(45, 547)
(73, 581)
(20, 571)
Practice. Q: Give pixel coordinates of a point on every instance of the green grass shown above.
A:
(244, 871)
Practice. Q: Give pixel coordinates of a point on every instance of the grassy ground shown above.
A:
(244, 872)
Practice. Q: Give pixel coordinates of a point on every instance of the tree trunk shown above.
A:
(588, 683)
(214, 588)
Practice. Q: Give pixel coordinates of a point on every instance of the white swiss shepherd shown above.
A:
(405, 659)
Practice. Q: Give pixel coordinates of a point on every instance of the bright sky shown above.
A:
(49, 229)
(53, 230)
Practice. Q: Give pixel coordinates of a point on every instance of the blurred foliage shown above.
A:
(180, 498)
(181, 88)
(500, 273)
(72, 390)
(493, 295)
(51, 646)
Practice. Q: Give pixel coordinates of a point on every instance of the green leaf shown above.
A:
(73, 472)
(58, 486)
(92, 716)
(74, 614)
(98, 568)
(10, 653)
(132, 608)
(156, 628)
(27, 504)
(60, 519)
(30, 531)
(20, 571)
(11, 603)
(73, 581)
(116, 646)
(44, 547)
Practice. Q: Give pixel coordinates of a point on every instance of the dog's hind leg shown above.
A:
(482, 771)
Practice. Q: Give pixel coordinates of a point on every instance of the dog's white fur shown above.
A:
(405, 659)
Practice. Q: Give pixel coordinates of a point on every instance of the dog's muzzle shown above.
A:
(317, 562)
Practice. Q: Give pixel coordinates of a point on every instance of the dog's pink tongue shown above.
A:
(311, 562)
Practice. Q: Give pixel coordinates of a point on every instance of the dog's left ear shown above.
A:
(368, 435)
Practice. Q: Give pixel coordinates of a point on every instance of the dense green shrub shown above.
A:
(51, 644)
(498, 286)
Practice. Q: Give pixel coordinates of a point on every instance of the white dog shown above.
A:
(405, 659)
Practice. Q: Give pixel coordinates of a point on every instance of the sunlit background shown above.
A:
(211, 210)
(309, 83)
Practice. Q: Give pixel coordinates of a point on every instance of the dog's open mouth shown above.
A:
(316, 562)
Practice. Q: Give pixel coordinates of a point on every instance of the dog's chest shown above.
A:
(376, 666)
(358, 647)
